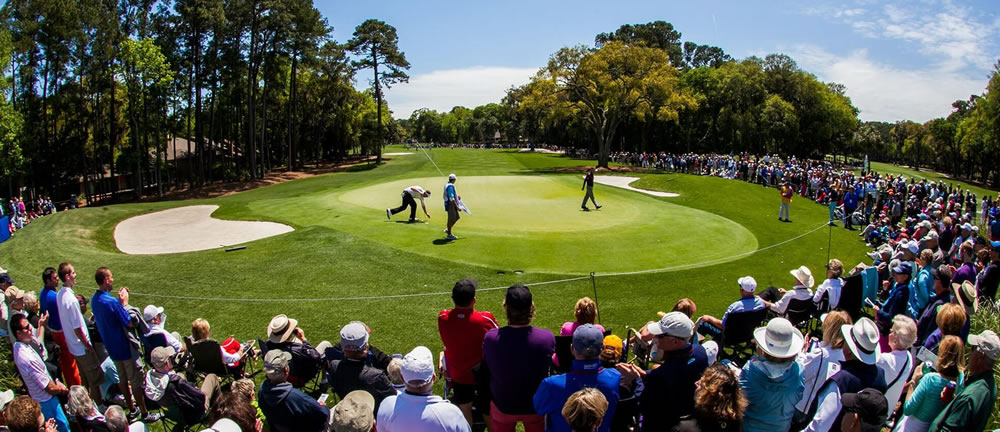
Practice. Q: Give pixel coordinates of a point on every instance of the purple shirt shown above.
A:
(967, 272)
(518, 360)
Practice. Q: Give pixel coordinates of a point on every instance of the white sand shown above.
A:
(397, 154)
(188, 229)
(623, 182)
(540, 150)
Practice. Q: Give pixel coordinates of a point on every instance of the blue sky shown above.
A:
(898, 59)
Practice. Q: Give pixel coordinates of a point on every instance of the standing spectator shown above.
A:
(719, 403)
(585, 312)
(857, 373)
(554, 391)
(989, 278)
(77, 336)
(967, 271)
(850, 204)
(36, 378)
(462, 330)
(669, 389)
(50, 305)
(585, 410)
(832, 286)
(771, 381)
(113, 323)
(970, 410)
(25, 415)
(924, 403)
(897, 364)
(786, 201)
(951, 318)
(352, 373)
(518, 357)
(354, 413)
(418, 409)
(288, 408)
(942, 295)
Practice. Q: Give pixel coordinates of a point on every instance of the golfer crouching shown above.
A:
(410, 197)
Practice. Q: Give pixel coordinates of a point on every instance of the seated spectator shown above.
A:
(611, 355)
(668, 392)
(202, 330)
(921, 287)
(418, 409)
(116, 420)
(41, 387)
(24, 414)
(858, 372)
(895, 303)
(354, 413)
(83, 411)
(462, 330)
(924, 403)
(686, 306)
(395, 374)
(552, 393)
(284, 334)
(748, 302)
(942, 295)
(518, 358)
(897, 363)
(971, 407)
(352, 373)
(778, 299)
(951, 319)
(286, 407)
(864, 411)
(235, 407)
(771, 380)
(831, 287)
(584, 410)
(247, 387)
(719, 403)
(156, 320)
(585, 313)
(170, 389)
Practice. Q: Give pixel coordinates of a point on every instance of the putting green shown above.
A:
(531, 223)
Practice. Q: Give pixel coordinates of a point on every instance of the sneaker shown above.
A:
(152, 417)
(451, 237)
(132, 416)
(412, 220)
(388, 214)
(585, 209)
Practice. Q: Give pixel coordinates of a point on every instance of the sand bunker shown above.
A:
(623, 182)
(188, 229)
(397, 154)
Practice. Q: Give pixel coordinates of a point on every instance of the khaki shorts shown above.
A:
(452, 214)
(131, 371)
(90, 369)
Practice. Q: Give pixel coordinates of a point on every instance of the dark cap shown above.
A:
(464, 291)
(871, 407)
(5, 278)
(518, 297)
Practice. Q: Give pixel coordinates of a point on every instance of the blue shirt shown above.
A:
(553, 392)
(920, 293)
(112, 320)
(47, 301)
(746, 304)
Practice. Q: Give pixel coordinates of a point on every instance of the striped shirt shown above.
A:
(33, 371)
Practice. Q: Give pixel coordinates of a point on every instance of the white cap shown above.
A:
(418, 365)
(986, 342)
(674, 324)
(913, 247)
(354, 336)
(711, 351)
(224, 425)
(452, 176)
(150, 312)
(747, 284)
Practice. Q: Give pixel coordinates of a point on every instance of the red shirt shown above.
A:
(462, 331)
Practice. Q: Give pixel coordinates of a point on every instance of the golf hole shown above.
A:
(517, 272)
(501, 272)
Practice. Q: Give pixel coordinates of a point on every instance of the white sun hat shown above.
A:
(779, 339)
(803, 275)
(862, 339)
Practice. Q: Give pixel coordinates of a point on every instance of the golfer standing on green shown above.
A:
(588, 184)
(451, 198)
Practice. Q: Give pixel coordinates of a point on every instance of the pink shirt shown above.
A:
(32, 369)
(570, 327)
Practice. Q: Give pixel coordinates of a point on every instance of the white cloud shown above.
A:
(886, 93)
(442, 90)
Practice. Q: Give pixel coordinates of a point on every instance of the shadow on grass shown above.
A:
(363, 167)
(439, 242)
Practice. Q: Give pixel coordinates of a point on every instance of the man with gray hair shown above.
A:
(418, 409)
(353, 372)
(288, 408)
(170, 389)
(552, 393)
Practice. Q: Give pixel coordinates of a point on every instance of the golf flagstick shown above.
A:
(429, 158)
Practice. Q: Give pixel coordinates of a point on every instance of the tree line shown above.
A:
(140, 95)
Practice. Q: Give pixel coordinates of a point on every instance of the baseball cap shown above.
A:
(588, 341)
(612, 348)
(354, 336)
(13, 293)
(354, 413)
(925, 224)
(904, 267)
(987, 343)
(275, 361)
(931, 235)
(674, 324)
(418, 365)
(711, 351)
(464, 291)
(452, 176)
(149, 312)
(161, 356)
(871, 407)
(913, 247)
(967, 226)
(995, 245)
(5, 398)
(747, 284)
(5, 278)
(518, 297)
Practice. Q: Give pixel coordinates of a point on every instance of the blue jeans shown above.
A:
(52, 410)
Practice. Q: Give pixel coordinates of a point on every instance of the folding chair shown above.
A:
(736, 337)
(799, 312)
(206, 356)
(851, 296)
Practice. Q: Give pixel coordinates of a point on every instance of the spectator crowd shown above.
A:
(20, 213)
(885, 343)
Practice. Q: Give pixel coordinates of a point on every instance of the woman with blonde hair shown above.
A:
(951, 319)
(925, 400)
(814, 362)
(585, 409)
(832, 286)
(585, 312)
(719, 402)
(202, 330)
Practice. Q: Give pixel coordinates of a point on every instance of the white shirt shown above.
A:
(416, 192)
(817, 366)
(171, 340)
(32, 368)
(833, 286)
(412, 413)
(892, 363)
(800, 292)
(71, 318)
(827, 410)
